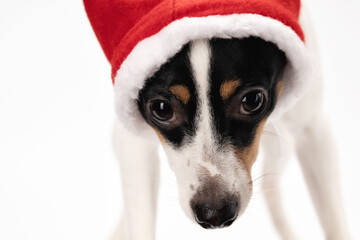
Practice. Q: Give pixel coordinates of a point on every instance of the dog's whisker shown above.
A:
(265, 175)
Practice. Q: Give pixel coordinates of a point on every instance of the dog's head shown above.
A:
(208, 106)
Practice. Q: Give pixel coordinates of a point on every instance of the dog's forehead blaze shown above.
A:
(247, 156)
(181, 92)
(228, 88)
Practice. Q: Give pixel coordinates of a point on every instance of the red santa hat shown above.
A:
(138, 36)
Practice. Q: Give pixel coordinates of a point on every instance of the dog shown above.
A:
(208, 79)
(209, 105)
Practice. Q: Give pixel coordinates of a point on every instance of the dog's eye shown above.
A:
(161, 111)
(252, 102)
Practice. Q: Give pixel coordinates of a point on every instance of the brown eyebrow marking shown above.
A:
(228, 88)
(181, 92)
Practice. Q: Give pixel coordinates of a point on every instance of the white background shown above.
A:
(58, 175)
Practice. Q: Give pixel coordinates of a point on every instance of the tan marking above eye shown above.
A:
(181, 92)
(249, 154)
(228, 88)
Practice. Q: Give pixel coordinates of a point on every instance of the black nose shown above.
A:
(209, 217)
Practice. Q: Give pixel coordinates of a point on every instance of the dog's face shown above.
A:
(208, 106)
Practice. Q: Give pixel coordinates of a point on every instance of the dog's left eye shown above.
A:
(161, 111)
(252, 102)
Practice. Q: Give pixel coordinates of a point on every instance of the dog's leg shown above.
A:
(318, 160)
(140, 173)
(276, 154)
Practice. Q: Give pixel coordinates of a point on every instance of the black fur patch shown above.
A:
(256, 63)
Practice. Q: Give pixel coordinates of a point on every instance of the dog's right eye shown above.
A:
(162, 111)
(252, 102)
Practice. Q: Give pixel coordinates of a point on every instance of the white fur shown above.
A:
(140, 175)
(149, 54)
